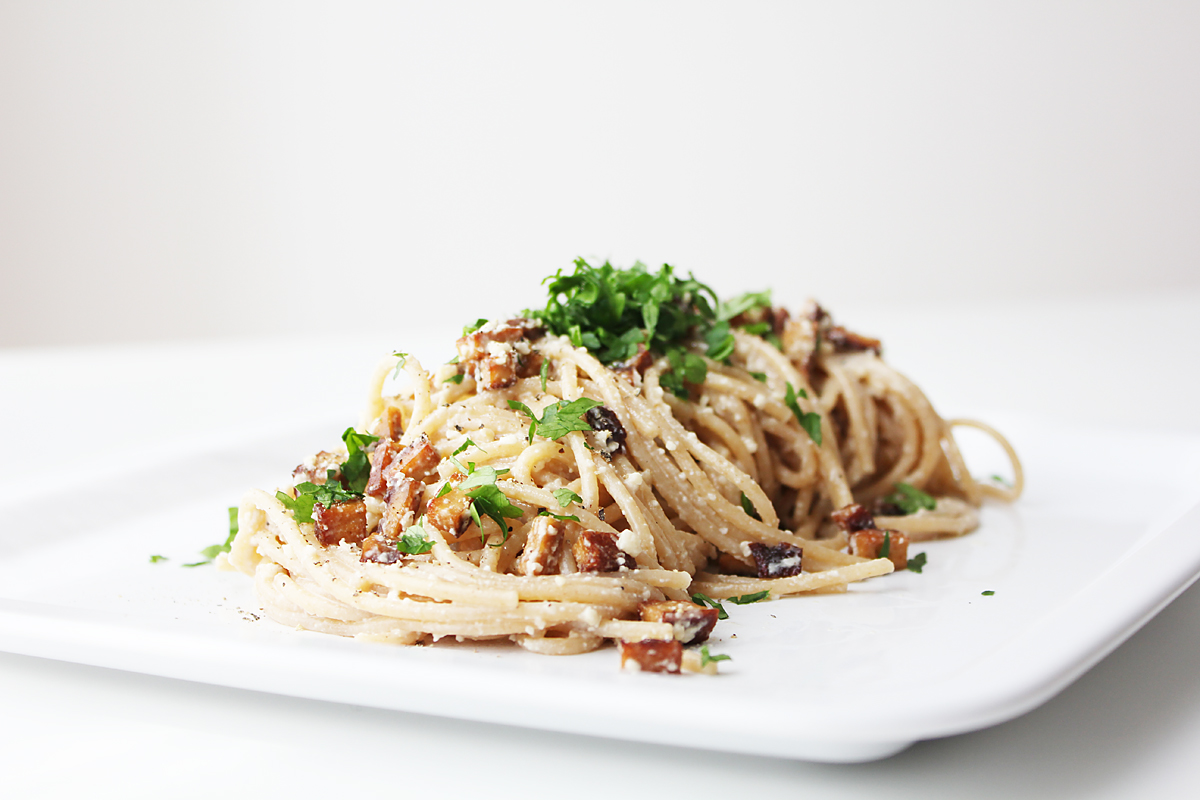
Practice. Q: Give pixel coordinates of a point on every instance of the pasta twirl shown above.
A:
(567, 481)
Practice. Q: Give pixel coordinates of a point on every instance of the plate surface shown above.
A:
(1105, 536)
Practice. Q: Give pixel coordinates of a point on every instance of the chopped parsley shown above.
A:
(544, 373)
(469, 329)
(987, 593)
(1000, 480)
(455, 378)
(761, 377)
(565, 497)
(917, 563)
(910, 499)
(701, 599)
(213, 550)
(156, 559)
(749, 508)
(885, 549)
(415, 540)
(707, 658)
(558, 419)
(468, 443)
(809, 420)
(309, 494)
(720, 342)
(747, 599)
(542, 512)
(399, 364)
(487, 499)
(357, 469)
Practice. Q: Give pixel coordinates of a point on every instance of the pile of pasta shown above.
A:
(722, 492)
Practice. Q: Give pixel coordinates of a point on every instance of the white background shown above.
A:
(185, 170)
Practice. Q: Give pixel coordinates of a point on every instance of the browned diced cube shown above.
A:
(543, 548)
(450, 513)
(597, 551)
(418, 459)
(845, 341)
(345, 521)
(652, 655)
(497, 370)
(869, 544)
(385, 453)
(379, 549)
(390, 425)
(403, 500)
(692, 623)
(781, 560)
(316, 469)
(853, 517)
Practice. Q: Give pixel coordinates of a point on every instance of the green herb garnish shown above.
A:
(487, 499)
(707, 658)
(558, 419)
(746, 599)
(910, 499)
(415, 540)
(701, 599)
(156, 559)
(455, 378)
(809, 420)
(399, 364)
(213, 550)
(743, 303)
(563, 517)
(988, 593)
(545, 372)
(309, 494)
(357, 469)
(761, 377)
(749, 508)
(469, 329)
(565, 497)
(917, 563)
(885, 549)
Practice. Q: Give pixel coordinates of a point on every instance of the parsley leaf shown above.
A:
(455, 378)
(545, 372)
(487, 499)
(156, 559)
(357, 469)
(707, 658)
(746, 599)
(743, 303)
(465, 445)
(809, 420)
(757, 328)
(720, 341)
(399, 364)
(565, 497)
(1000, 480)
(761, 377)
(213, 550)
(910, 499)
(557, 420)
(309, 494)
(564, 517)
(988, 593)
(917, 563)
(749, 508)
(701, 599)
(469, 329)
(885, 549)
(415, 540)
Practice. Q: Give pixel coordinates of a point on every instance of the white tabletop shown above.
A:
(1130, 726)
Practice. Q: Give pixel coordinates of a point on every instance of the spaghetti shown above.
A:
(559, 490)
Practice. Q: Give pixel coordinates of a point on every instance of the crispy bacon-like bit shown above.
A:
(597, 551)
(403, 500)
(692, 623)
(853, 517)
(390, 425)
(497, 352)
(379, 549)
(603, 419)
(845, 341)
(781, 560)
(652, 655)
(543, 549)
(417, 460)
(639, 363)
(316, 469)
(342, 521)
(385, 453)
(450, 513)
(868, 543)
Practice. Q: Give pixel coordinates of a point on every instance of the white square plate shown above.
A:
(1106, 535)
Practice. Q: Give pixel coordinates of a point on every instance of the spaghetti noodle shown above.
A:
(561, 487)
